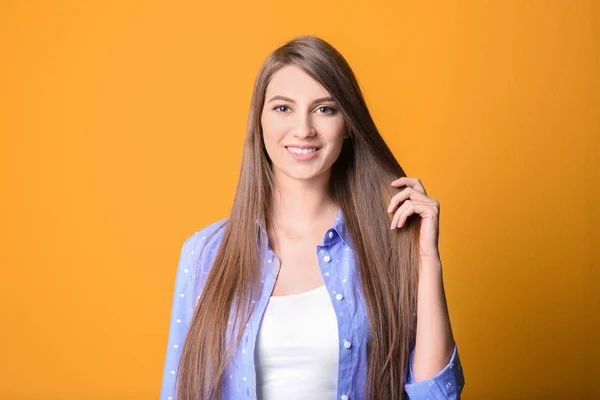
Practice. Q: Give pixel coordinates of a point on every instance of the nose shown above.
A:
(304, 127)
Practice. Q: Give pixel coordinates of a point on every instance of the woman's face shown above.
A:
(302, 128)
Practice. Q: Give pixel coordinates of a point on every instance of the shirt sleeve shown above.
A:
(446, 385)
(181, 312)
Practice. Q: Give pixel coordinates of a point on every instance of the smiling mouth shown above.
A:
(296, 150)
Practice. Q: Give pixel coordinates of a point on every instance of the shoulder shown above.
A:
(200, 247)
(208, 237)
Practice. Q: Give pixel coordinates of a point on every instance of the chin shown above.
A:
(301, 177)
(304, 176)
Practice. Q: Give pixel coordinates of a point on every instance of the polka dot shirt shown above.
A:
(336, 262)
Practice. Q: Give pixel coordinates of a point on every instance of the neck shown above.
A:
(298, 203)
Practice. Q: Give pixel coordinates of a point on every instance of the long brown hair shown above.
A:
(387, 260)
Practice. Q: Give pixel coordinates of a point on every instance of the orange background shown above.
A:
(122, 126)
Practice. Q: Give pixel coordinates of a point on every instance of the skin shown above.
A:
(435, 341)
(303, 211)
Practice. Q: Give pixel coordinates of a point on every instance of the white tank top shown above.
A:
(297, 349)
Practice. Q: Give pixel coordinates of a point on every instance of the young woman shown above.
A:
(325, 281)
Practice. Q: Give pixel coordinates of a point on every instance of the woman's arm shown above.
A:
(434, 368)
(435, 371)
(181, 307)
(434, 342)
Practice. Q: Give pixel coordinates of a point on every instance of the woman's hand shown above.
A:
(434, 345)
(414, 199)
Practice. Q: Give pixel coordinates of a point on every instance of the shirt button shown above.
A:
(345, 397)
(347, 344)
(339, 296)
(327, 258)
(330, 235)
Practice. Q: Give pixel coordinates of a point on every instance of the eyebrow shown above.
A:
(320, 100)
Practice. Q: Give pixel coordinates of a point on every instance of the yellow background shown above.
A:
(122, 126)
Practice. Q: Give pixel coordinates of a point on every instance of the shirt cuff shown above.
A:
(446, 385)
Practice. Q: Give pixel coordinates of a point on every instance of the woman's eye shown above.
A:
(322, 109)
(330, 110)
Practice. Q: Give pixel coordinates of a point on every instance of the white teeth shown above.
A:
(296, 150)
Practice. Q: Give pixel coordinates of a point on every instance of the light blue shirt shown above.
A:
(337, 265)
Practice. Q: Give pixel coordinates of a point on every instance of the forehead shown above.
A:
(293, 82)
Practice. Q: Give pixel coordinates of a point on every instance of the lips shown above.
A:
(303, 154)
(302, 150)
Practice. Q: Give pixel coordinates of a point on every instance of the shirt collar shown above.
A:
(338, 226)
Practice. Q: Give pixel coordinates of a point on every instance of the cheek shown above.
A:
(271, 134)
(338, 142)
(336, 134)
(273, 129)
(337, 150)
